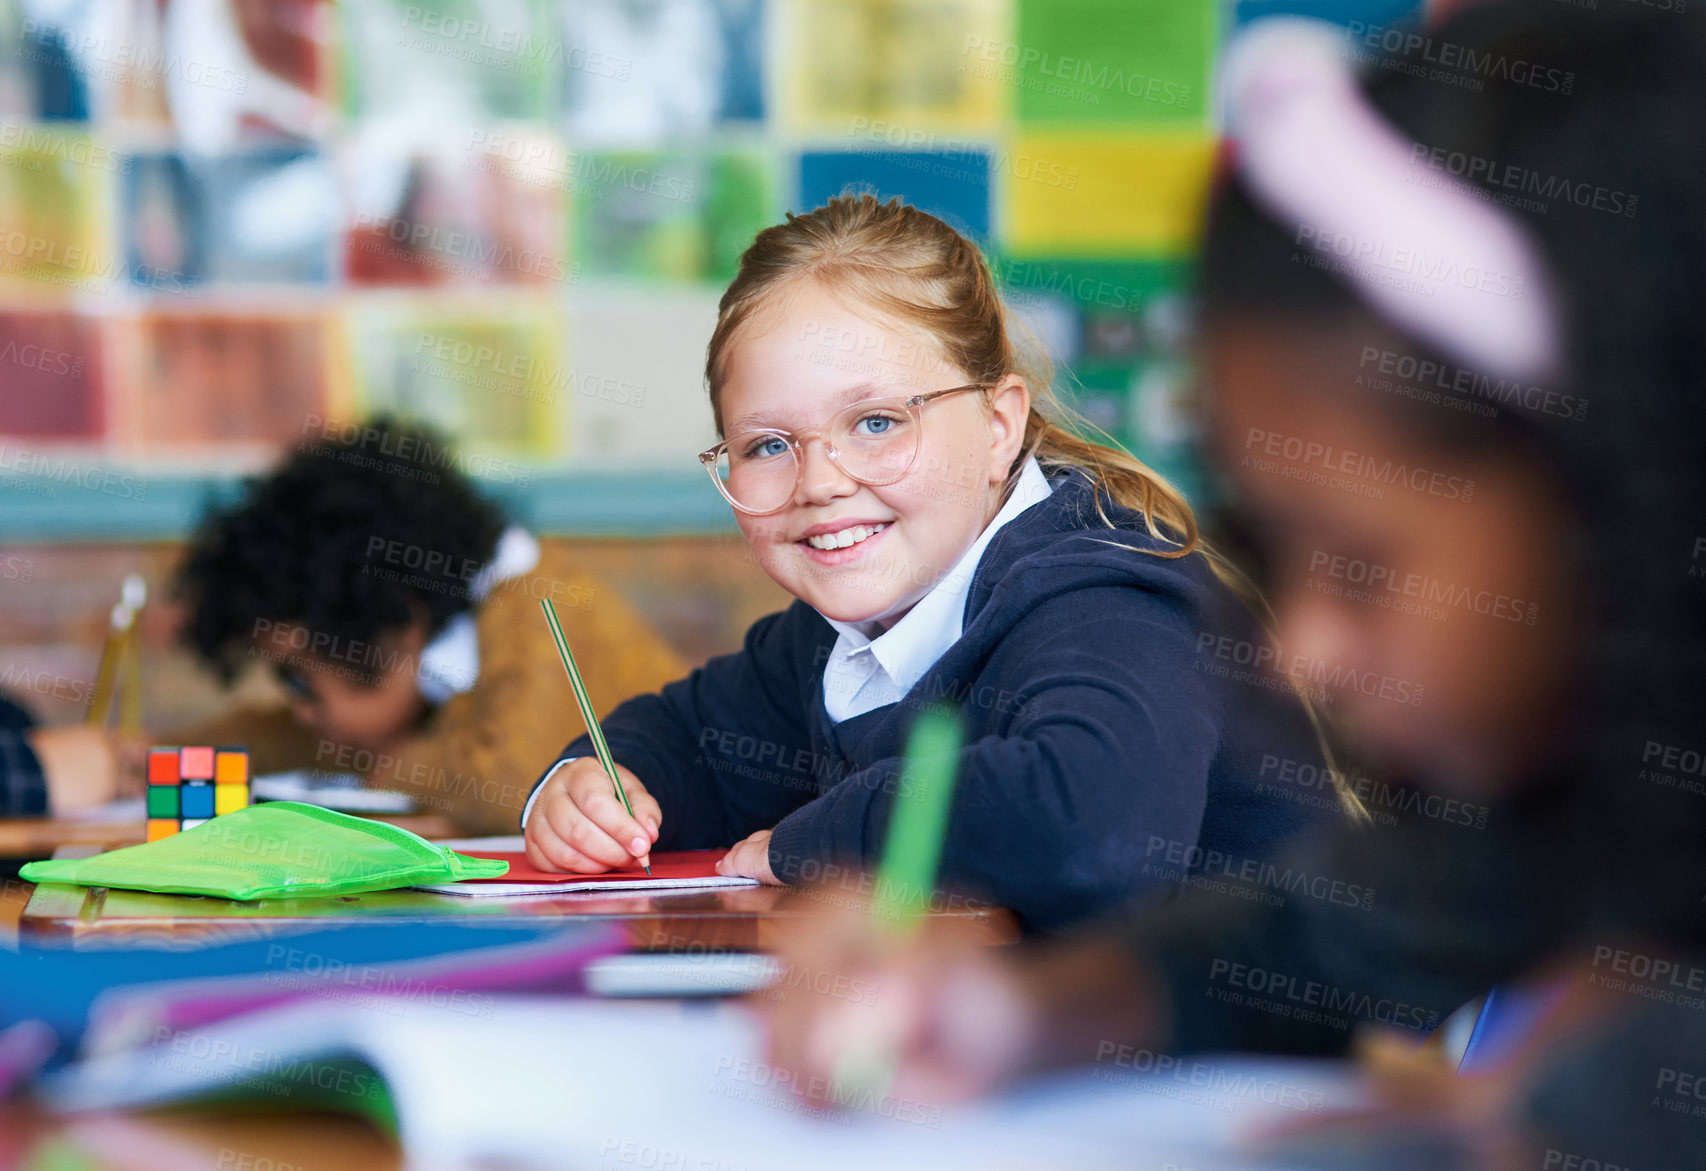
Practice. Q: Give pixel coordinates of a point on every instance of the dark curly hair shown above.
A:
(337, 540)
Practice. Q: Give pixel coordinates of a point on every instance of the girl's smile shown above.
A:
(838, 542)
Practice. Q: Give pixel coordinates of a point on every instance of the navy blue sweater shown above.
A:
(1102, 746)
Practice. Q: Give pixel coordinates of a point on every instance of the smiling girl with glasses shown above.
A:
(894, 463)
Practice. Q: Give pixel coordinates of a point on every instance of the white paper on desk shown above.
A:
(510, 844)
(517, 844)
(340, 791)
(609, 1085)
(522, 890)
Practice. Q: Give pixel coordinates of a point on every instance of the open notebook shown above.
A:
(671, 870)
(541, 1083)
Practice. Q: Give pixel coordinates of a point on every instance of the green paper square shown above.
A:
(683, 217)
(1122, 285)
(503, 61)
(1102, 61)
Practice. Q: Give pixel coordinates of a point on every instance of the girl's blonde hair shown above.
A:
(915, 270)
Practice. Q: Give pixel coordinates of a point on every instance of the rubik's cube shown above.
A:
(186, 786)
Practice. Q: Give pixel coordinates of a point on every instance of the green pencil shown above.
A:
(907, 876)
(918, 819)
(585, 703)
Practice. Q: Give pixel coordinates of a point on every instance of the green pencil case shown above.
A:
(278, 849)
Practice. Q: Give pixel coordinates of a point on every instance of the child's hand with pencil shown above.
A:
(594, 815)
(941, 1015)
(938, 1011)
(935, 1016)
(579, 824)
(876, 999)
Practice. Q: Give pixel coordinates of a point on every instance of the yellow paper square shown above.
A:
(860, 70)
(1106, 195)
(485, 366)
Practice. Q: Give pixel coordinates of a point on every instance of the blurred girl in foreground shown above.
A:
(1457, 372)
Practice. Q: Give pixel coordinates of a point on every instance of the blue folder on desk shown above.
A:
(59, 986)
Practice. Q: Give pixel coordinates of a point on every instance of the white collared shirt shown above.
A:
(865, 673)
(450, 664)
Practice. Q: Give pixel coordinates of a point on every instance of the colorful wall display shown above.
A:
(231, 219)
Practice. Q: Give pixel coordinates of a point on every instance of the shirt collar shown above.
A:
(911, 646)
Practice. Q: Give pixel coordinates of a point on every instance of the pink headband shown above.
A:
(1432, 257)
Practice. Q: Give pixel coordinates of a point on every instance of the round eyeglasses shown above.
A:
(874, 440)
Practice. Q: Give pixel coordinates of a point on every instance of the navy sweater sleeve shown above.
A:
(23, 787)
(1057, 815)
(689, 743)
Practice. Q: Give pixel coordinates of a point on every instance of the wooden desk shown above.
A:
(39, 837)
(14, 894)
(718, 919)
(223, 1140)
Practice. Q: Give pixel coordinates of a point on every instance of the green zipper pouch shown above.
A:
(281, 848)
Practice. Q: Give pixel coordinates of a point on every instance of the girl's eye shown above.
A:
(765, 447)
(875, 424)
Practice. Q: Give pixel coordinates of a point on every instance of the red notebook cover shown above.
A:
(665, 864)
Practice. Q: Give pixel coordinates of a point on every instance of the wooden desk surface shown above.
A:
(14, 894)
(719, 919)
(225, 1140)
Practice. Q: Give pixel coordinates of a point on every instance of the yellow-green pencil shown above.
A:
(585, 703)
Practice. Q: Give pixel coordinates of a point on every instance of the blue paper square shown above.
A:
(951, 184)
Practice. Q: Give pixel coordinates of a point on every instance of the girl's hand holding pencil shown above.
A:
(589, 828)
(579, 824)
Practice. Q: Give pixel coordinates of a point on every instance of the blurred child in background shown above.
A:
(399, 611)
(1465, 434)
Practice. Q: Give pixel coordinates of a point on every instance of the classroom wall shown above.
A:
(228, 227)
